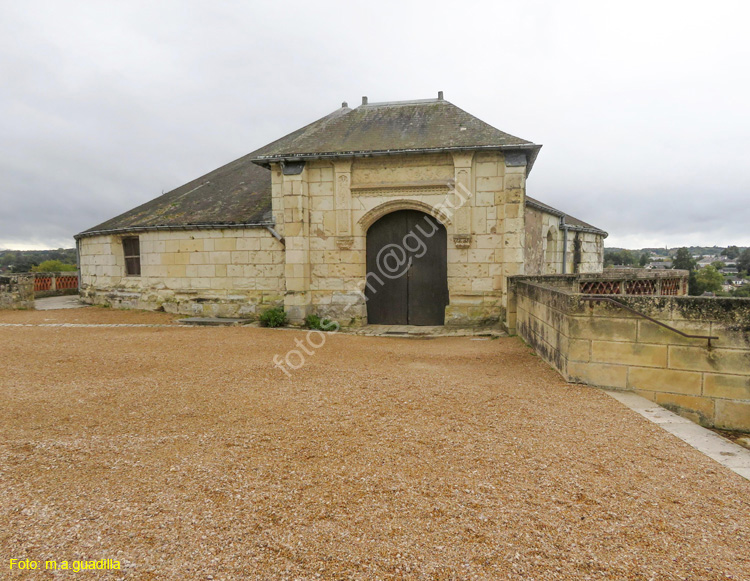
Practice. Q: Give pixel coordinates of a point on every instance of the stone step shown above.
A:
(426, 331)
(214, 321)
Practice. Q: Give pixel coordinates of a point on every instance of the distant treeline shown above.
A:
(26, 260)
(642, 257)
(708, 278)
(667, 252)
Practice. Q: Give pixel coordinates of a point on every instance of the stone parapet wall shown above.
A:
(222, 272)
(17, 291)
(616, 281)
(616, 277)
(541, 319)
(604, 345)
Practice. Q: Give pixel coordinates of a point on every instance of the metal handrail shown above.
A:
(595, 298)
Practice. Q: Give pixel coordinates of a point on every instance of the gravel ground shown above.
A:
(185, 454)
(89, 315)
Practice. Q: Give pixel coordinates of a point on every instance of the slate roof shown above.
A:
(237, 193)
(391, 128)
(572, 222)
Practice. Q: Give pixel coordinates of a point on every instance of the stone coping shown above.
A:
(733, 311)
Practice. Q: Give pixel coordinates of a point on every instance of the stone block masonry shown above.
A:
(218, 273)
(17, 291)
(324, 213)
(604, 345)
(323, 210)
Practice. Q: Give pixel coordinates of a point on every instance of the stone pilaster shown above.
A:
(277, 197)
(342, 182)
(461, 198)
(296, 204)
(514, 223)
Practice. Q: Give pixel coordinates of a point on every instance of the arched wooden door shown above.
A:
(407, 270)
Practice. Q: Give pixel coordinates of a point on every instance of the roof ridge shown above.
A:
(408, 102)
(416, 125)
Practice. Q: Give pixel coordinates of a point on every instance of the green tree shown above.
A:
(620, 257)
(25, 260)
(718, 264)
(743, 261)
(707, 279)
(683, 260)
(644, 260)
(53, 266)
(731, 252)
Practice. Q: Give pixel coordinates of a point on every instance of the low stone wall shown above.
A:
(17, 291)
(543, 322)
(605, 345)
(630, 281)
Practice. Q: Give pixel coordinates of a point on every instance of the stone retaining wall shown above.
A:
(605, 345)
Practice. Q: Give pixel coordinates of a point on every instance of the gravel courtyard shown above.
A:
(185, 454)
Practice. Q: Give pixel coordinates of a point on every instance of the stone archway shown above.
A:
(407, 282)
(394, 205)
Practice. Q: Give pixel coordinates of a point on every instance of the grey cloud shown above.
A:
(643, 119)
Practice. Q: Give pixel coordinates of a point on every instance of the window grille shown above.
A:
(132, 249)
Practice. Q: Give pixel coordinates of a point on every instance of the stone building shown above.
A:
(322, 220)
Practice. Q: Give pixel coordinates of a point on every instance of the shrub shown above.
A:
(315, 322)
(312, 322)
(275, 317)
(53, 266)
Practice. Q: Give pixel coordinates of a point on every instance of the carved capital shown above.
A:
(344, 242)
(462, 158)
(462, 240)
(342, 166)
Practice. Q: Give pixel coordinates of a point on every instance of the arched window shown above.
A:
(550, 257)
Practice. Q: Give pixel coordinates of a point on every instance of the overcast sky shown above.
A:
(643, 108)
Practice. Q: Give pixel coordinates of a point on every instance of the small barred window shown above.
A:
(132, 248)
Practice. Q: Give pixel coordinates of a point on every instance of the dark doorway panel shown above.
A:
(407, 270)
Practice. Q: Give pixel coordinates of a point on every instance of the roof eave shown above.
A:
(531, 148)
(560, 214)
(575, 228)
(205, 226)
